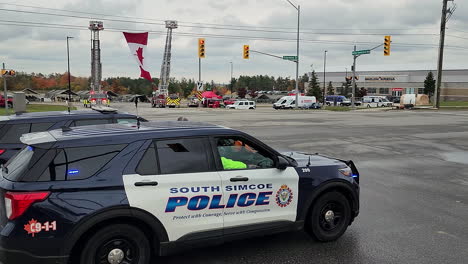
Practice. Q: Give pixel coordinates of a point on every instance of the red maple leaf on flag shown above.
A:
(139, 54)
(28, 228)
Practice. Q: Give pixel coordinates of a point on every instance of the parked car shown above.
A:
(338, 100)
(289, 102)
(244, 104)
(2, 101)
(376, 101)
(193, 102)
(13, 126)
(229, 101)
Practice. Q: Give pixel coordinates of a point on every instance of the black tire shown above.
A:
(129, 239)
(318, 227)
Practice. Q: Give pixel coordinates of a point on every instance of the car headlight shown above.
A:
(346, 171)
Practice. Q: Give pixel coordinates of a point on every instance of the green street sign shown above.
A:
(361, 52)
(291, 58)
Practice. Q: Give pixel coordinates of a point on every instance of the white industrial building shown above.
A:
(396, 83)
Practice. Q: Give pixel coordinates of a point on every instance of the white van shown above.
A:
(243, 104)
(376, 101)
(289, 102)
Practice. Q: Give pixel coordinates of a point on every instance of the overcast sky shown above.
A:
(410, 22)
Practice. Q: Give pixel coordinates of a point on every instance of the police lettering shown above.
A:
(245, 187)
(201, 202)
(229, 188)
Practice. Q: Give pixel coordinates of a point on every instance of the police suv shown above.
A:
(12, 127)
(119, 193)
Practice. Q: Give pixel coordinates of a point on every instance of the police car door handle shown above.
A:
(239, 178)
(146, 183)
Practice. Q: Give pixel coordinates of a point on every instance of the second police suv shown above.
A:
(119, 193)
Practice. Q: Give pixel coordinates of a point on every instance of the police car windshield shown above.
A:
(98, 96)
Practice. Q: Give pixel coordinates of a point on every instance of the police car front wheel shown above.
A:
(329, 217)
(117, 244)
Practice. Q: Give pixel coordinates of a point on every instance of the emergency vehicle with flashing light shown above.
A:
(120, 193)
(13, 126)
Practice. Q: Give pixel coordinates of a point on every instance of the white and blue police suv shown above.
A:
(124, 193)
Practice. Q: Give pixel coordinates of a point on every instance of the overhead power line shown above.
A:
(201, 25)
(220, 36)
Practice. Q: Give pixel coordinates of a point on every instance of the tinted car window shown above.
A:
(79, 163)
(21, 162)
(183, 156)
(39, 127)
(148, 164)
(14, 132)
(88, 122)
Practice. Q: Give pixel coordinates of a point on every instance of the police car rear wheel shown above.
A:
(117, 244)
(329, 217)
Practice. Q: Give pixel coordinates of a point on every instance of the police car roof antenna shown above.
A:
(308, 164)
(136, 107)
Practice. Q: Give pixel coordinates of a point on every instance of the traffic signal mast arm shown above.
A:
(264, 53)
(376, 47)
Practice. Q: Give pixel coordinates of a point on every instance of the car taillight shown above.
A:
(17, 203)
(2, 151)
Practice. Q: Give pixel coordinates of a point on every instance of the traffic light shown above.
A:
(8, 72)
(246, 51)
(386, 48)
(201, 48)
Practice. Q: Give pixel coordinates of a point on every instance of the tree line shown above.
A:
(185, 87)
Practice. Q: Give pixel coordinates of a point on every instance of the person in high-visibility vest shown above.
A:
(229, 164)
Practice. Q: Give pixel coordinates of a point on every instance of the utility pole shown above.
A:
(297, 61)
(69, 82)
(324, 74)
(353, 90)
(443, 23)
(199, 69)
(5, 95)
(298, 8)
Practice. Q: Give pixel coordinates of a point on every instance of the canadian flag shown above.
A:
(137, 43)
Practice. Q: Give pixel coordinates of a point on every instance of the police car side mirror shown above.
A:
(282, 163)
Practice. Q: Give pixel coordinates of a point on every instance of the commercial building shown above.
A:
(395, 83)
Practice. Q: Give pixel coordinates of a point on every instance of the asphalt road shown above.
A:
(414, 183)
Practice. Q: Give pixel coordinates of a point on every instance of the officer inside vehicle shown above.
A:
(235, 154)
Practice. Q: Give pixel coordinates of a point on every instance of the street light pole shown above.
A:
(230, 85)
(324, 74)
(353, 98)
(69, 81)
(5, 94)
(298, 8)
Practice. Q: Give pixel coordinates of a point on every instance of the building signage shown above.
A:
(397, 89)
(379, 78)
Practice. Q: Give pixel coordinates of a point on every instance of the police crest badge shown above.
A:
(284, 196)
